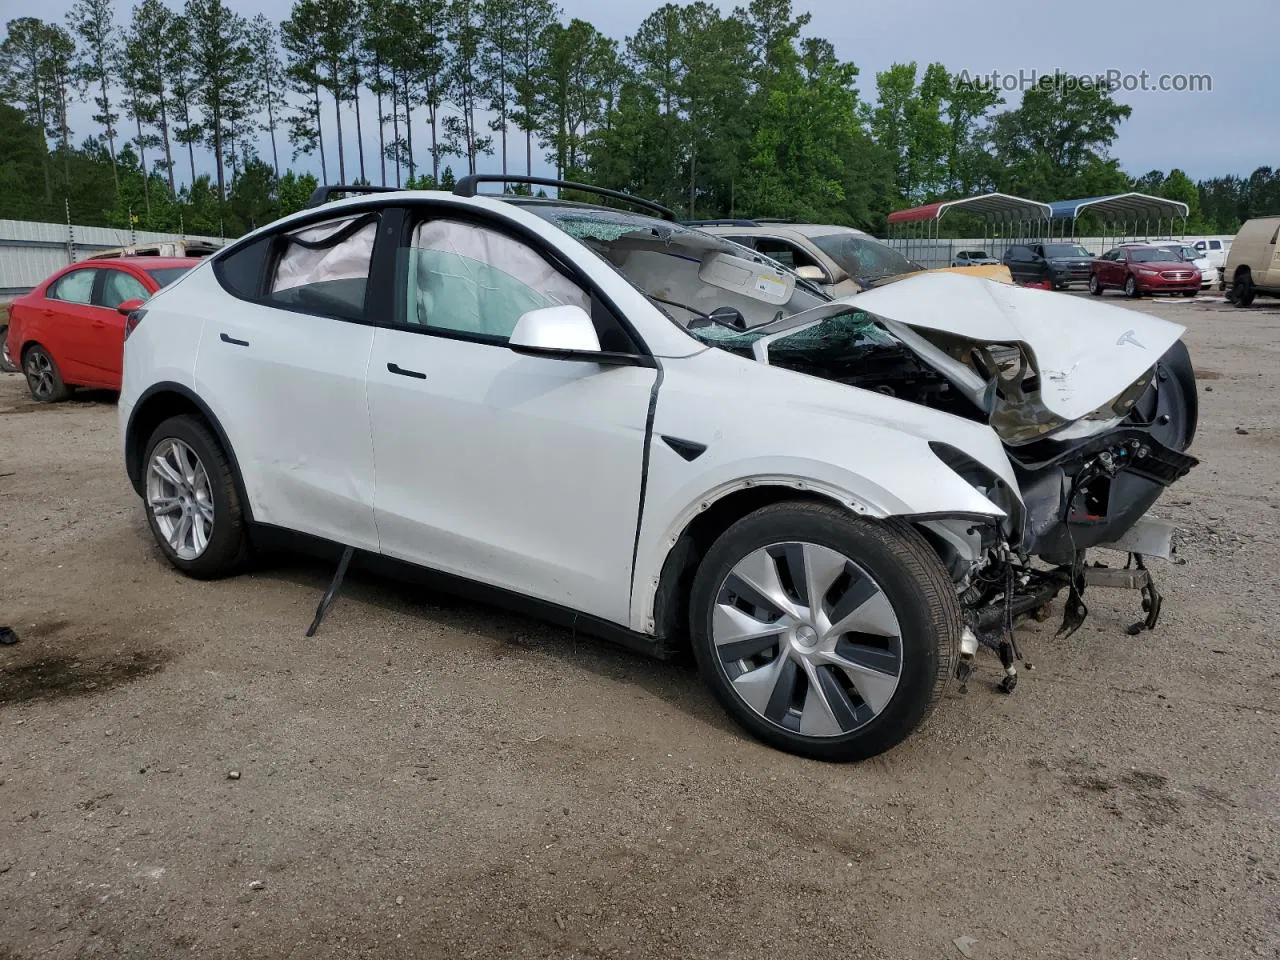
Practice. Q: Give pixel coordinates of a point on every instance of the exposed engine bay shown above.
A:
(1095, 406)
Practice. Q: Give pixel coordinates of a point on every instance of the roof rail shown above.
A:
(727, 222)
(466, 187)
(323, 194)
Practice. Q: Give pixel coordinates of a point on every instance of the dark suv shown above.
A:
(1061, 263)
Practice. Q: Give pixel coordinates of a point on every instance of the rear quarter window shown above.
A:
(243, 271)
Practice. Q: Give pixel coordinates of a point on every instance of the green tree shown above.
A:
(264, 45)
(221, 62)
(498, 20)
(27, 80)
(466, 82)
(93, 21)
(306, 128)
(151, 47)
(529, 44)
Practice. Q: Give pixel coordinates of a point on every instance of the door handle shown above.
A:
(401, 371)
(233, 341)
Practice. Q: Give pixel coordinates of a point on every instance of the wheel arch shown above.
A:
(1242, 271)
(157, 404)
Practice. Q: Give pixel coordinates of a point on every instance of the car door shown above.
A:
(65, 322)
(284, 369)
(520, 472)
(105, 335)
(1018, 260)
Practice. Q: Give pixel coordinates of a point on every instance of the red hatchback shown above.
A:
(1138, 269)
(69, 331)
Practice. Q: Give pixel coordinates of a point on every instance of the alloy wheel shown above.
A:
(40, 377)
(807, 638)
(180, 498)
(4, 350)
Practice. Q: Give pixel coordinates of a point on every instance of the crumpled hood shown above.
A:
(1087, 352)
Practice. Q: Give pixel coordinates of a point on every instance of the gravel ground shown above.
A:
(181, 772)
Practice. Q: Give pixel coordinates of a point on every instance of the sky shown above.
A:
(1231, 129)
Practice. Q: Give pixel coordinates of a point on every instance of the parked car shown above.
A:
(1213, 249)
(1252, 267)
(1139, 269)
(657, 435)
(973, 258)
(1059, 264)
(841, 260)
(1178, 250)
(69, 331)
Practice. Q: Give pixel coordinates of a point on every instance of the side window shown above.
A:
(474, 281)
(75, 287)
(787, 254)
(749, 242)
(1020, 254)
(1214, 244)
(118, 286)
(324, 268)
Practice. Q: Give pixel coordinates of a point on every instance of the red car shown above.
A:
(69, 331)
(1138, 269)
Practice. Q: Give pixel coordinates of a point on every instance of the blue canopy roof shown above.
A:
(1119, 206)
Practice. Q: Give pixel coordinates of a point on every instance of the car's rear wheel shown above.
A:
(6, 361)
(1242, 290)
(43, 377)
(193, 507)
(824, 634)
(1131, 286)
(1095, 285)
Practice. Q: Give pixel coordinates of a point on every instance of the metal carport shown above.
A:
(1122, 216)
(916, 231)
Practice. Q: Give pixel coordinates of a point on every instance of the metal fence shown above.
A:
(940, 252)
(31, 251)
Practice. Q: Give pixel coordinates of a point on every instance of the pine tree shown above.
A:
(94, 23)
(528, 67)
(222, 63)
(264, 43)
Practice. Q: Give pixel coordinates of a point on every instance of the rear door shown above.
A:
(65, 321)
(284, 368)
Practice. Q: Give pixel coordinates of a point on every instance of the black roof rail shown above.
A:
(725, 222)
(773, 220)
(466, 187)
(323, 194)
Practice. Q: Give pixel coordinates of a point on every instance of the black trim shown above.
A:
(273, 537)
(133, 455)
(688, 449)
(323, 194)
(232, 340)
(644, 468)
(602, 357)
(466, 187)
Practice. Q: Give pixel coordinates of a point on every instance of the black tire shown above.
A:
(44, 379)
(6, 362)
(228, 544)
(900, 563)
(1095, 285)
(1242, 292)
(1131, 287)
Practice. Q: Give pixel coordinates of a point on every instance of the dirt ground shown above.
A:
(429, 777)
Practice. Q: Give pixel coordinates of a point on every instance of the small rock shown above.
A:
(257, 884)
(233, 774)
(8, 636)
(1208, 389)
(399, 901)
(1242, 431)
(965, 945)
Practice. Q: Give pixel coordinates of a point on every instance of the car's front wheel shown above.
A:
(193, 507)
(1095, 285)
(1242, 290)
(821, 633)
(1131, 287)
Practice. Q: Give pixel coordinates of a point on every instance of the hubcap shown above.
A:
(40, 374)
(808, 639)
(180, 498)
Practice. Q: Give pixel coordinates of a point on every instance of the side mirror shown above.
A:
(128, 306)
(811, 272)
(555, 332)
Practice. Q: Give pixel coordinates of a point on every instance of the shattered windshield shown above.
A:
(686, 273)
(864, 259)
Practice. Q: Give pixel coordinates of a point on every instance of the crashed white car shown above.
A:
(656, 435)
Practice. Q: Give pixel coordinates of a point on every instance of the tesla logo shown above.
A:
(1129, 338)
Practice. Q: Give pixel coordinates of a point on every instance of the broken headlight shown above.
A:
(985, 481)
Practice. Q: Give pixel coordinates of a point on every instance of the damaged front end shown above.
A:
(1095, 405)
